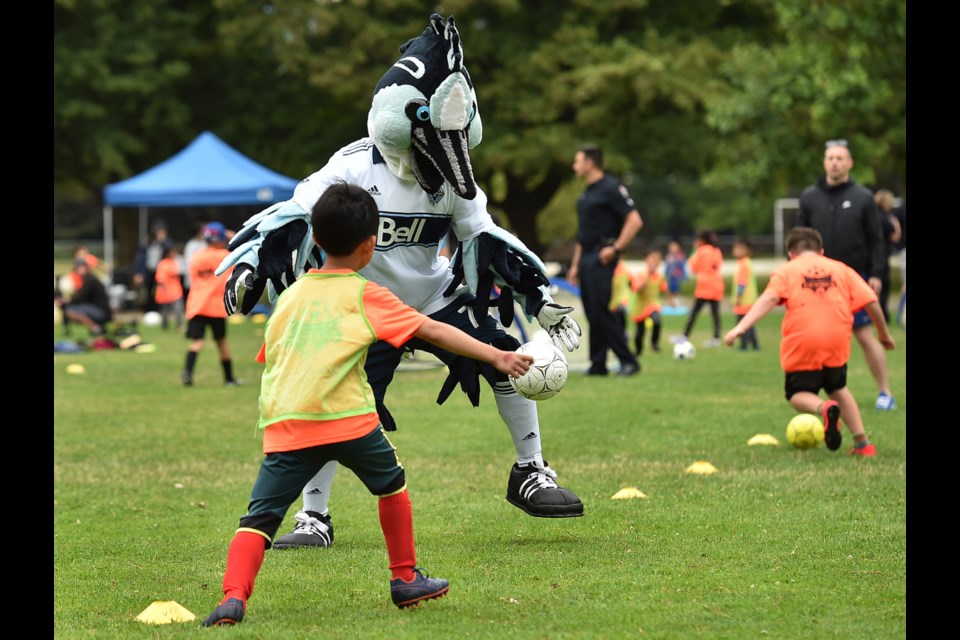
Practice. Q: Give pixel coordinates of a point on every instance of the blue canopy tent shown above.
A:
(208, 172)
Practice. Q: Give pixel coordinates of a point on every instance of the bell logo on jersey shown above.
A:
(391, 233)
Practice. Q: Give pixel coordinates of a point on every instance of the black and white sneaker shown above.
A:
(311, 530)
(533, 490)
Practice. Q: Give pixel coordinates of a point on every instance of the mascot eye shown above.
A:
(418, 110)
(473, 112)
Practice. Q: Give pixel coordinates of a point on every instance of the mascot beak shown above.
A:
(441, 146)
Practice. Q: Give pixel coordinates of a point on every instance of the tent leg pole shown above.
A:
(108, 241)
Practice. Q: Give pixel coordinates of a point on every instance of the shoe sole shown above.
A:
(558, 511)
(299, 545)
(416, 601)
(296, 544)
(223, 622)
(831, 432)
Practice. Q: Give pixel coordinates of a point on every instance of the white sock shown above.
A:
(316, 493)
(520, 416)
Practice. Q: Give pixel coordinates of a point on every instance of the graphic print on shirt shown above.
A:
(411, 230)
(817, 280)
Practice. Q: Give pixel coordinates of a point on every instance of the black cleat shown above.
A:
(831, 425)
(229, 613)
(423, 587)
(532, 489)
(311, 530)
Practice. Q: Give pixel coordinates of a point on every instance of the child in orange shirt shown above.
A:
(205, 306)
(821, 296)
(648, 285)
(169, 292)
(744, 291)
(705, 263)
(320, 331)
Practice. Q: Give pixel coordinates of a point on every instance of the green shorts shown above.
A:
(373, 459)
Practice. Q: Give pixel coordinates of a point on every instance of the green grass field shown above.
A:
(150, 479)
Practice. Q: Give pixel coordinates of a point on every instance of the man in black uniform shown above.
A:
(846, 216)
(608, 222)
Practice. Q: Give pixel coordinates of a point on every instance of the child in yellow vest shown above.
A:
(744, 291)
(648, 286)
(316, 404)
(621, 292)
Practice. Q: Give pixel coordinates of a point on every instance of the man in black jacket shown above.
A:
(847, 218)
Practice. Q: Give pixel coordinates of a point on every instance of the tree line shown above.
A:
(709, 110)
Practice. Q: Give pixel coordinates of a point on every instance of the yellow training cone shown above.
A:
(236, 319)
(701, 467)
(762, 438)
(258, 318)
(165, 612)
(148, 347)
(76, 368)
(627, 493)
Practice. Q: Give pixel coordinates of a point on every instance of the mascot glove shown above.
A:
(556, 321)
(242, 278)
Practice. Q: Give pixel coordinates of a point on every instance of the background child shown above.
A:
(621, 292)
(169, 292)
(744, 290)
(675, 269)
(205, 304)
(705, 263)
(821, 296)
(320, 331)
(648, 284)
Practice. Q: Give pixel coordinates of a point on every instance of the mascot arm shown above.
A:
(270, 251)
(495, 256)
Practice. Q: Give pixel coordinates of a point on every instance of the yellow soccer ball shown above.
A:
(805, 431)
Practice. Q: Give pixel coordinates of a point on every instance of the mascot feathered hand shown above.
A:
(423, 122)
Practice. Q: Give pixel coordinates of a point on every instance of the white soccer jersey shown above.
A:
(413, 224)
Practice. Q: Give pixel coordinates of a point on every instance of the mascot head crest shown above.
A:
(424, 117)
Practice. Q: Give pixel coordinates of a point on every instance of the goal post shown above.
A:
(784, 217)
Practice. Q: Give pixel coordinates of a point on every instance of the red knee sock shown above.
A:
(243, 564)
(396, 521)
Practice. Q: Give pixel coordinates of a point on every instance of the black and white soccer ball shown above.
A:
(684, 351)
(547, 375)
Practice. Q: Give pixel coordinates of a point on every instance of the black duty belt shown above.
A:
(590, 248)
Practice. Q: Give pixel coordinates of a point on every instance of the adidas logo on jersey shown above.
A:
(373, 191)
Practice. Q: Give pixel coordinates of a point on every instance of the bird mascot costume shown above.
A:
(415, 163)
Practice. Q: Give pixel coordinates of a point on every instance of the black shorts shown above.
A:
(829, 379)
(196, 327)
(372, 458)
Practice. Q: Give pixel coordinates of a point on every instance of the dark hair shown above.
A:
(593, 153)
(745, 242)
(707, 236)
(804, 239)
(343, 217)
